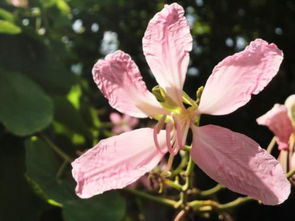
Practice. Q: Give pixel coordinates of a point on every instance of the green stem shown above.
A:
(61, 169)
(211, 191)
(290, 173)
(237, 202)
(187, 148)
(209, 205)
(170, 162)
(183, 163)
(271, 145)
(56, 149)
(181, 201)
(188, 174)
(161, 200)
(172, 184)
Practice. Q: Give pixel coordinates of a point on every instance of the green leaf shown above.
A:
(17, 201)
(63, 6)
(7, 27)
(201, 28)
(74, 96)
(43, 166)
(42, 61)
(68, 115)
(24, 107)
(6, 15)
(68, 121)
(107, 207)
(48, 3)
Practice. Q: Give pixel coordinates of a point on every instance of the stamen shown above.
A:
(156, 131)
(168, 137)
(187, 100)
(169, 127)
(178, 135)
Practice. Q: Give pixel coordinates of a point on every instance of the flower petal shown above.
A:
(279, 123)
(290, 104)
(292, 163)
(116, 118)
(283, 159)
(237, 77)
(166, 46)
(120, 81)
(237, 162)
(117, 162)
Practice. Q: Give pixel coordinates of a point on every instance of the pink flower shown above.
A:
(19, 3)
(230, 158)
(281, 121)
(153, 180)
(122, 123)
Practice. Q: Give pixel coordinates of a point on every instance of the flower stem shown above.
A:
(209, 205)
(180, 215)
(290, 173)
(183, 163)
(271, 145)
(161, 200)
(187, 148)
(61, 169)
(211, 191)
(56, 149)
(173, 184)
(188, 174)
(237, 202)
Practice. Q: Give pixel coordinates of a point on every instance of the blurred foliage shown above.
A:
(51, 110)
(58, 188)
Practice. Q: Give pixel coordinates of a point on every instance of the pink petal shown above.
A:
(283, 159)
(166, 46)
(115, 118)
(19, 3)
(133, 122)
(130, 121)
(117, 129)
(126, 117)
(237, 77)
(119, 79)
(279, 123)
(239, 163)
(117, 162)
(290, 104)
(182, 127)
(290, 101)
(292, 162)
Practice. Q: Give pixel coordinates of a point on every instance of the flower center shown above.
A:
(187, 111)
(179, 120)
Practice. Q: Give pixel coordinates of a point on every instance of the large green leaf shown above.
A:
(68, 115)
(63, 6)
(17, 201)
(43, 62)
(108, 207)
(43, 166)
(24, 107)
(7, 27)
(6, 15)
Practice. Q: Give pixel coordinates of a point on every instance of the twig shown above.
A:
(56, 149)
(209, 205)
(271, 145)
(211, 191)
(290, 173)
(180, 215)
(161, 200)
